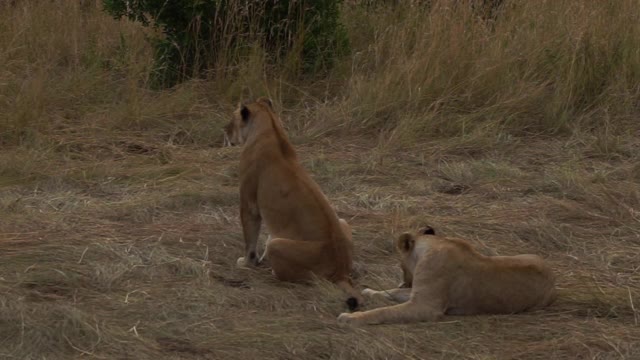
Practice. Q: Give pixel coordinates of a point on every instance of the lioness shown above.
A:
(447, 276)
(306, 236)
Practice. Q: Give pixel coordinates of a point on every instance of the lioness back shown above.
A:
(289, 193)
(502, 285)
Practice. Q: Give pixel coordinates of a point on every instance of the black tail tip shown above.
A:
(352, 303)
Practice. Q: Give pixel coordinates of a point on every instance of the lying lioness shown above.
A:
(306, 238)
(447, 276)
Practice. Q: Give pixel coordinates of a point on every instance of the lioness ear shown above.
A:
(265, 101)
(405, 242)
(244, 113)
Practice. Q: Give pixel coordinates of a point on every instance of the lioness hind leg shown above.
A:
(293, 260)
(401, 313)
(400, 295)
(296, 260)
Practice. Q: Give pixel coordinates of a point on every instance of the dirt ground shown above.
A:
(126, 249)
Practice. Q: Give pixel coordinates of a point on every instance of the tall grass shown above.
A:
(542, 66)
(62, 63)
(213, 35)
(547, 66)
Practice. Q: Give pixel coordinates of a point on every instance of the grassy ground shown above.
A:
(119, 225)
(132, 255)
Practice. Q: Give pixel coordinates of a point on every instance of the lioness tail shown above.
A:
(355, 300)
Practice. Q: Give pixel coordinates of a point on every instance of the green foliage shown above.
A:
(204, 35)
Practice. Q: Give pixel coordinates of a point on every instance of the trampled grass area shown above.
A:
(129, 257)
(119, 227)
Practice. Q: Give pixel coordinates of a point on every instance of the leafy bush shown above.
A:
(211, 34)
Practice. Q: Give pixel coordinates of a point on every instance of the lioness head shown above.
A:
(237, 130)
(405, 245)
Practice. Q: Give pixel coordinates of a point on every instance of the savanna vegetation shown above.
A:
(513, 124)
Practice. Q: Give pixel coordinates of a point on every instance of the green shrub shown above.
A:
(201, 35)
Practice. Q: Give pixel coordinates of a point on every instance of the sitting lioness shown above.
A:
(447, 276)
(306, 237)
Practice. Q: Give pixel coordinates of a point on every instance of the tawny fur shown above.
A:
(307, 238)
(447, 276)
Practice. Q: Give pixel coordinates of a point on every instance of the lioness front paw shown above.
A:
(369, 292)
(251, 262)
(346, 318)
(241, 262)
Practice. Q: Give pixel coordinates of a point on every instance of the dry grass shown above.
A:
(119, 225)
(543, 66)
(139, 260)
